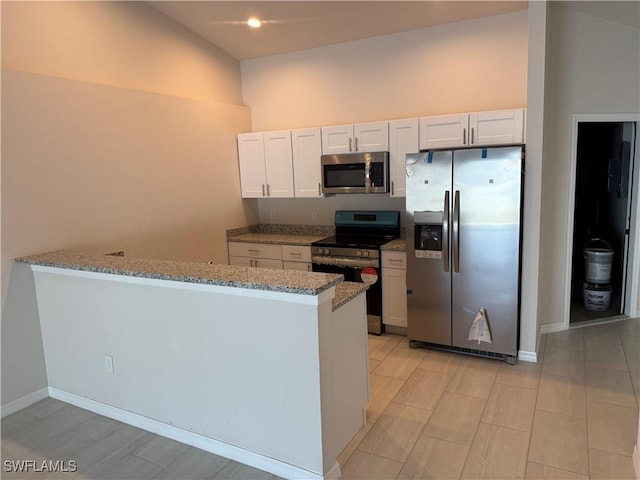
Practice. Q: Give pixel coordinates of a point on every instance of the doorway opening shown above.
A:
(603, 239)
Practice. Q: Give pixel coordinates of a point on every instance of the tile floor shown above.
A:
(574, 415)
(436, 415)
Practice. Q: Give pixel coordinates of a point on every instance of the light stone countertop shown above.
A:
(397, 245)
(347, 291)
(277, 238)
(289, 281)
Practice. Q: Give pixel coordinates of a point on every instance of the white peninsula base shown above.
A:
(274, 380)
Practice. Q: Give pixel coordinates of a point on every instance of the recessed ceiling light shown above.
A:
(254, 22)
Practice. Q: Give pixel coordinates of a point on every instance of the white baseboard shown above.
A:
(24, 402)
(225, 450)
(636, 461)
(552, 328)
(525, 356)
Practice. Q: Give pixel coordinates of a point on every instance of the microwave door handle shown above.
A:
(445, 232)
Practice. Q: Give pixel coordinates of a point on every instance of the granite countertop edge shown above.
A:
(347, 291)
(209, 279)
(276, 238)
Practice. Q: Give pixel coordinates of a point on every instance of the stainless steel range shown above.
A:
(354, 252)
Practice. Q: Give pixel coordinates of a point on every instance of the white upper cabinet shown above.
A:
(337, 139)
(443, 131)
(266, 167)
(403, 139)
(306, 145)
(371, 137)
(498, 127)
(253, 176)
(363, 137)
(278, 164)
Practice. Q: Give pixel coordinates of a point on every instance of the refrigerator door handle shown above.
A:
(445, 232)
(456, 231)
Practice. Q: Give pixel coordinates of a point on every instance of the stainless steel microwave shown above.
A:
(355, 173)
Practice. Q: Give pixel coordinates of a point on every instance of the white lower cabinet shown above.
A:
(260, 255)
(267, 255)
(296, 257)
(302, 266)
(394, 288)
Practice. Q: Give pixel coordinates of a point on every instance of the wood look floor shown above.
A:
(574, 415)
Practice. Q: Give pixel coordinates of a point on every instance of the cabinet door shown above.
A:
(241, 261)
(444, 131)
(403, 139)
(306, 146)
(337, 139)
(371, 137)
(251, 160)
(267, 263)
(394, 296)
(300, 266)
(296, 253)
(278, 164)
(500, 127)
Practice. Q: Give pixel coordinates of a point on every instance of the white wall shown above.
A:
(118, 132)
(122, 44)
(593, 67)
(467, 66)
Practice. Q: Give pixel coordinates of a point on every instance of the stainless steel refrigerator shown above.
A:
(463, 248)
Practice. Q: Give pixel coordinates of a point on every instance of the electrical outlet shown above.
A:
(272, 214)
(314, 216)
(108, 363)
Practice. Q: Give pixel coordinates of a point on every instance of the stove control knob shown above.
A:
(365, 253)
(325, 251)
(359, 253)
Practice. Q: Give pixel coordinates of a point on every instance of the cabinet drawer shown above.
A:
(256, 250)
(241, 261)
(296, 253)
(267, 263)
(302, 266)
(394, 260)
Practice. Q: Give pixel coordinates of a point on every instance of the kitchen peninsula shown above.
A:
(267, 367)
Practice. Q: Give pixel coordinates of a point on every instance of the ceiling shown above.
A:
(299, 25)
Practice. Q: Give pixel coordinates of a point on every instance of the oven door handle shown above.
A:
(345, 262)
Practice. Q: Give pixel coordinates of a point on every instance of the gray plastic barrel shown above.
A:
(597, 262)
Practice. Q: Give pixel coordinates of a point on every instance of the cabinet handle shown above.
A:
(255, 263)
(254, 251)
(356, 144)
(268, 193)
(295, 254)
(464, 136)
(350, 146)
(472, 135)
(309, 268)
(393, 260)
(392, 187)
(319, 189)
(263, 189)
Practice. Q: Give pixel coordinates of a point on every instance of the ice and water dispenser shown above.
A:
(427, 234)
